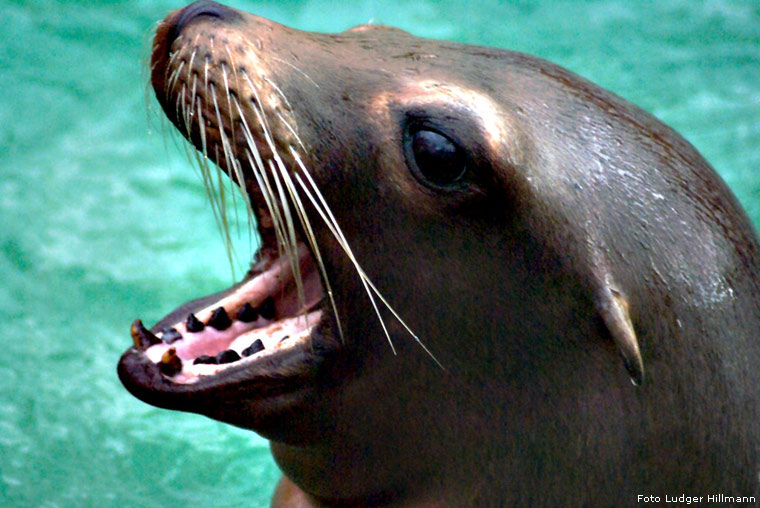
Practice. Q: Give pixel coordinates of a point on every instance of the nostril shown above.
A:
(202, 8)
(199, 9)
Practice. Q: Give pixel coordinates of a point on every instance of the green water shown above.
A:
(100, 224)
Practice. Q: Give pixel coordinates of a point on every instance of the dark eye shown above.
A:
(439, 160)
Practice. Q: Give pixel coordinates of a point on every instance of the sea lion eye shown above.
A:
(439, 160)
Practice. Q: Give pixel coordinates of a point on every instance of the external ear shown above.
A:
(613, 308)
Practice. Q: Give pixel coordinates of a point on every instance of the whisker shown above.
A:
(291, 130)
(230, 161)
(324, 210)
(347, 250)
(241, 183)
(230, 97)
(249, 139)
(259, 171)
(172, 56)
(202, 161)
(277, 220)
(169, 67)
(259, 112)
(291, 189)
(191, 106)
(296, 69)
(174, 78)
(189, 111)
(234, 169)
(269, 200)
(233, 65)
(279, 92)
(292, 246)
(183, 104)
(229, 100)
(311, 238)
(205, 79)
(192, 55)
(195, 50)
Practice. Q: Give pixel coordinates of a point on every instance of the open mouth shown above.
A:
(262, 334)
(265, 337)
(260, 316)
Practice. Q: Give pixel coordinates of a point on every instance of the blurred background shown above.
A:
(103, 220)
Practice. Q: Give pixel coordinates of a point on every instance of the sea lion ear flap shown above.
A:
(613, 308)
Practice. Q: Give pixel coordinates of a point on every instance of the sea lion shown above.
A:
(483, 280)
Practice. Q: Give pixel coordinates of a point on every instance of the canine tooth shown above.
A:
(266, 309)
(170, 364)
(219, 319)
(142, 337)
(247, 314)
(253, 348)
(227, 356)
(193, 324)
(205, 359)
(170, 335)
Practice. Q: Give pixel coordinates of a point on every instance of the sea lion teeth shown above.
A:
(253, 348)
(142, 337)
(170, 335)
(170, 364)
(219, 319)
(266, 309)
(193, 324)
(247, 314)
(205, 359)
(227, 356)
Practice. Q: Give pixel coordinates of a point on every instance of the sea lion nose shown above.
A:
(199, 9)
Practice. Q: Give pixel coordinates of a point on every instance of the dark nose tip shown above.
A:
(200, 9)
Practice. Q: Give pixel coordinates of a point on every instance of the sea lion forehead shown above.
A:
(496, 125)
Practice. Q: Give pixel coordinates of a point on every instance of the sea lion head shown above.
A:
(441, 264)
